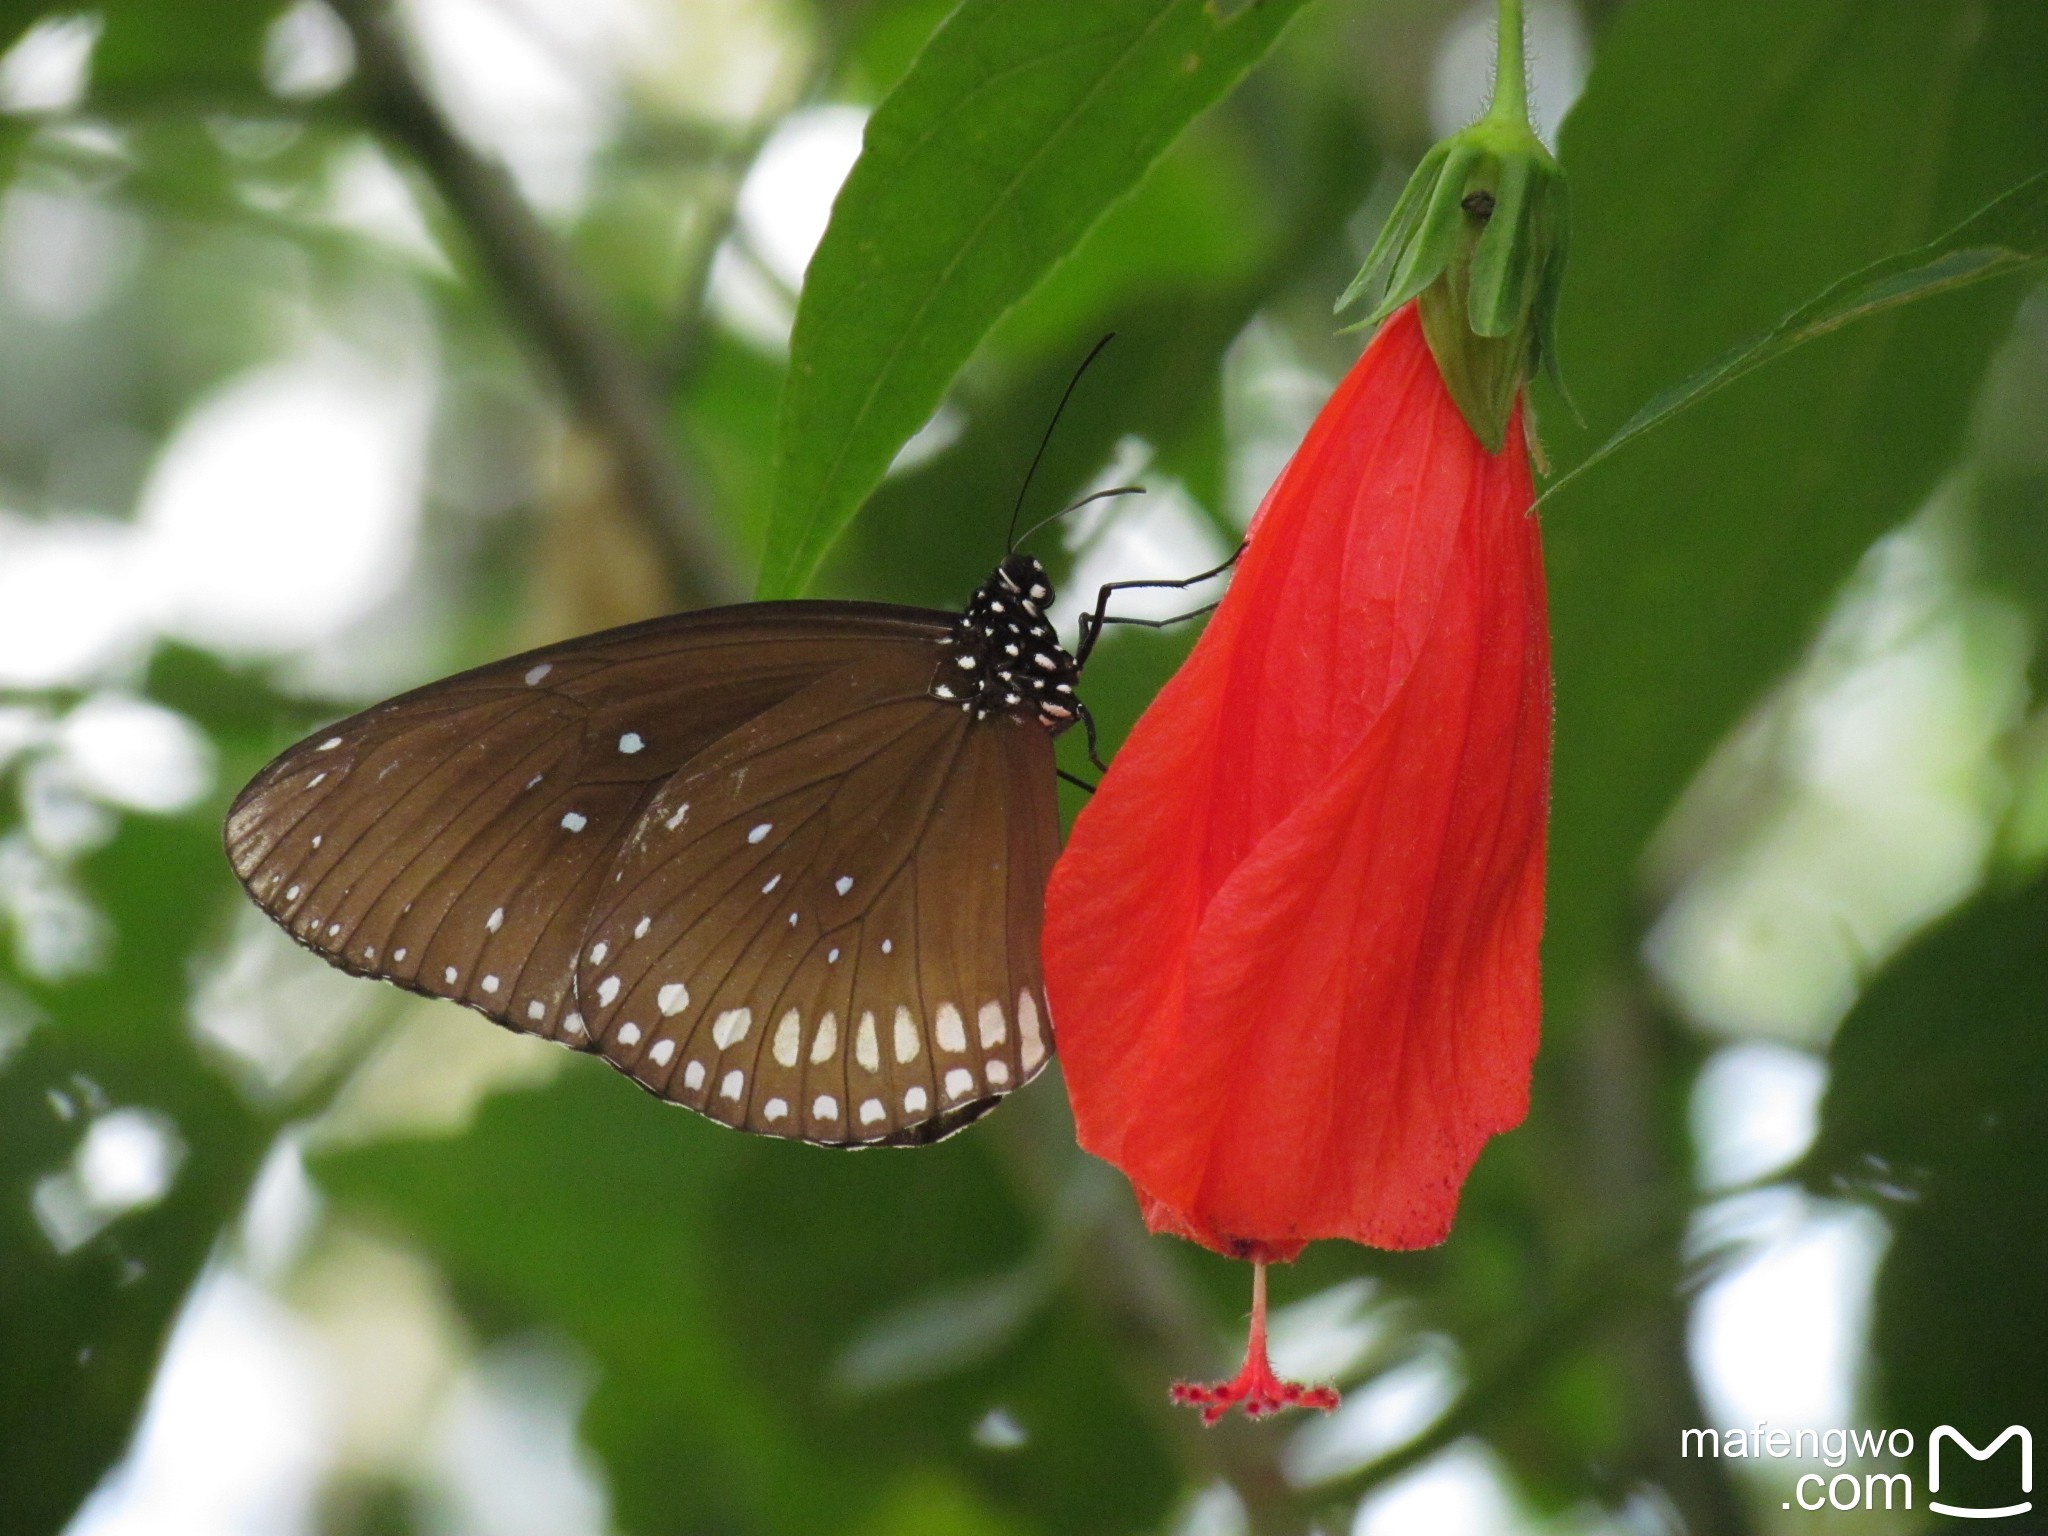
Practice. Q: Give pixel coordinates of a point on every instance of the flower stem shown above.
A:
(1510, 78)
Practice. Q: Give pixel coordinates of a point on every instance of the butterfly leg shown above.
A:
(1088, 722)
(1092, 624)
(1076, 780)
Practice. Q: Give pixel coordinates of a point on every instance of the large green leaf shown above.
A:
(1937, 1112)
(1015, 129)
(1727, 163)
(2007, 235)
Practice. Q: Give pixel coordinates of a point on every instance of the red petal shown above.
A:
(1291, 947)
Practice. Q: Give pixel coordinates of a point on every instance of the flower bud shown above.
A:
(1478, 236)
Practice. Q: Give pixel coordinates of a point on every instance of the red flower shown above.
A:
(1292, 943)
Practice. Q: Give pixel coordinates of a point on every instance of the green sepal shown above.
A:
(1478, 235)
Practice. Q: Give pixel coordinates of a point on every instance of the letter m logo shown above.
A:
(1970, 1512)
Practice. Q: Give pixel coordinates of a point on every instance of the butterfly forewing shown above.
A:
(747, 854)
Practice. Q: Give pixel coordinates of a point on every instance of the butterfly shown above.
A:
(783, 863)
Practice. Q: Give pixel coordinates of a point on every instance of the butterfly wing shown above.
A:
(827, 926)
(498, 837)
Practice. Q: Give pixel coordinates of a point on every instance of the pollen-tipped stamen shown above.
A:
(1254, 1386)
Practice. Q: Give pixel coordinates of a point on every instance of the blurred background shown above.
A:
(325, 366)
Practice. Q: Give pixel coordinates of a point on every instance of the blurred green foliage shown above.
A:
(974, 1338)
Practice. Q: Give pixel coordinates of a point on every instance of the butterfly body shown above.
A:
(783, 863)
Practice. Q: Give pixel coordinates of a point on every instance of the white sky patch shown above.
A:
(73, 600)
(277, 1013)
(506, 1457)
(1382, 1413)
(1461, 81)
(1462, 1492)
(137, 754)
(307, 52)
(1161, 535)
(366, 194)
(783, 208)
(1755, 1108)
(57, 933)
(234, 1437)
(47, 70)
(534, 83)
(125, 1162)
(285, 506)
(1269, 399)
(1779, 1336)
(65, 253)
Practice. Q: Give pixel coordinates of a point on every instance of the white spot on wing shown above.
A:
(735, 1080)
(773, 881)
(826, 1041)
(950, 1029)
(397, 955)
(672, 999)
(608, 991)
(536, 1010)
(330, 744)
(449, 975)
(662, 1053)
(998, 1072)
(575, 821)
(993, 1030)
(871, 1111)
(906, 1035)
(535, 674)
(788, 1038)
(775, 1109)
(490, 983)
(731, 1027)
(867, 1049)
(888, 945)
(676, 816)
(495, 921)
(640, 928)
(760, 831)
(825, 1107)
(292, 894)
(693, 1075)
(629, 1034)
(914, 1101)
(598, 951)
(631, 743)
(959, 1083)
(832, 957)
(843, 884)
(1032, 1047)
(573, 1024)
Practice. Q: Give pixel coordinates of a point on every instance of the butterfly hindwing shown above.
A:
(820, 922)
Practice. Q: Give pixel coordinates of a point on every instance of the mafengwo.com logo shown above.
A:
(1881, 1469)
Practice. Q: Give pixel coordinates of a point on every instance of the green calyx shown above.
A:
(1479, 237)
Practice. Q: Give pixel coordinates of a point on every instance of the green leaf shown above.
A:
(1018, 126)
(1937, 1112)
(1710, 198)
(2006, 235)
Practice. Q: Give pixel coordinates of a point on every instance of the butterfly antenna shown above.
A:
(1115, 490)
(1046, 441)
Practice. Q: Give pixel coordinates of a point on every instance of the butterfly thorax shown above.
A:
(1004, 657)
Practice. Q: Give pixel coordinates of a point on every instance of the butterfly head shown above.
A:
(1004, 657)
